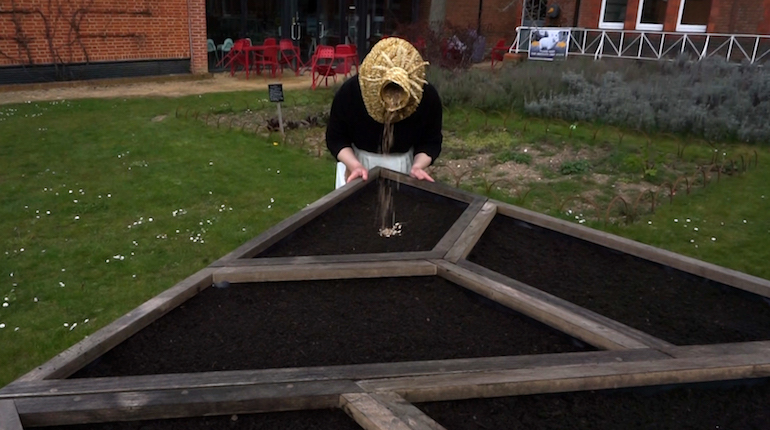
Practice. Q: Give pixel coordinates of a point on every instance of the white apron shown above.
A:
(401, 163)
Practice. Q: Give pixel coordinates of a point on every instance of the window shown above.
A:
(613, 14)
(651, 15)
(693, 15)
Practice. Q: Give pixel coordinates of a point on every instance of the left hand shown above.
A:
(420, 174)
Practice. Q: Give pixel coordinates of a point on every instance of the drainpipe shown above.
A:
(478, 25)
(190, 37)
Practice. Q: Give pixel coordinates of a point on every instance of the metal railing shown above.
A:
(657, 45)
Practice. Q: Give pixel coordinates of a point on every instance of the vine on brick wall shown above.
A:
(62, 47)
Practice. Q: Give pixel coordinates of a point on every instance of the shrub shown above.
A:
(574, 167)
(516, 157)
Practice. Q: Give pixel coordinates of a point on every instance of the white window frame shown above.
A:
(687, 28)
(646, 26)
(609, 25)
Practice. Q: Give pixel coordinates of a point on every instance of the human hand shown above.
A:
(420, 174)
(358, 172)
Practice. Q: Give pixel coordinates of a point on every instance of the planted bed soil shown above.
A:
(327, 419)
(667, 303)
(324, 323)
(727, 405)
(350, 227)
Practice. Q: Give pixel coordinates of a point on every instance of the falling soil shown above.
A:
(350, 226)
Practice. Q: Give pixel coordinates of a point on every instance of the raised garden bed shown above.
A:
(324, 323)
(314, 324)
(667, 303)
(737, 405)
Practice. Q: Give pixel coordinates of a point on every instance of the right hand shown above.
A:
(358, 172)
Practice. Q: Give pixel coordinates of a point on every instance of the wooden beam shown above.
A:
(552, 311)
(467, 240)
(455, 386)
(640, 336)
(180, 381)
(432, 187)
(339, 258)
(700, 268)
(459, 226)
(304, 272)
(9, 417)
(146, 405)
(85, 351)
(385, 411)
(294, 222)
(718, 350)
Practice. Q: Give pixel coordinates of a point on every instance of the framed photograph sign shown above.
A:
(549, 43)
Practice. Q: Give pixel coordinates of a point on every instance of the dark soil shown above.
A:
(332, 419)
(701, 406)
(350, 227)
(321, 323)
(667, 303)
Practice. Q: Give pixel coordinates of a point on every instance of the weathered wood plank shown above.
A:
(573, 378)
(341, 258)
(706, 270)
(282, 229)
(85, 351)
(188, 381)
(406, 410)
(638, 335)
(374, 412)
(303, 272)
(459, 226)
(556, 313)
(718, 350)
(467, 240)
(127, 406)
(9, 417)
(433, 187)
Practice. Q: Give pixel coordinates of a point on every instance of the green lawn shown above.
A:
(106, 203)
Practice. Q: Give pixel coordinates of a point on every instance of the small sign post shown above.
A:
(275, 94)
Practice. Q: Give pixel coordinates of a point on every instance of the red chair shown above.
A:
(290, 56)
(347, 57)
(270, 41)
(498, 52)
(238, 56)
(268, 57)
(322, 65)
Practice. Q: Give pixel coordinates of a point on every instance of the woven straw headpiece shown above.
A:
(391, 77)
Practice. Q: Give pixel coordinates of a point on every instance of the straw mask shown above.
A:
(392, 77)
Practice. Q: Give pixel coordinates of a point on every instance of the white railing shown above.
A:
(657, 45)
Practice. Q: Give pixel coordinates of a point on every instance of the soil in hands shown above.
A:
(677, 307)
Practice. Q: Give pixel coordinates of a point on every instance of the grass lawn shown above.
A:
(106, 203)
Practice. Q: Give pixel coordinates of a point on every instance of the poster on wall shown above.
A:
(549, 43)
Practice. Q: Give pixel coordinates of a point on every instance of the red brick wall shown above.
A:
(589, 13)
(77, 31)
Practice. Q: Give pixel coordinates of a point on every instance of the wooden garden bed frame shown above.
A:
(379, 396)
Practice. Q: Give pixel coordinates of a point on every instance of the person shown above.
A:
(387, 115)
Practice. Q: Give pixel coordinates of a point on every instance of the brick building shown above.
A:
(44, 40)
